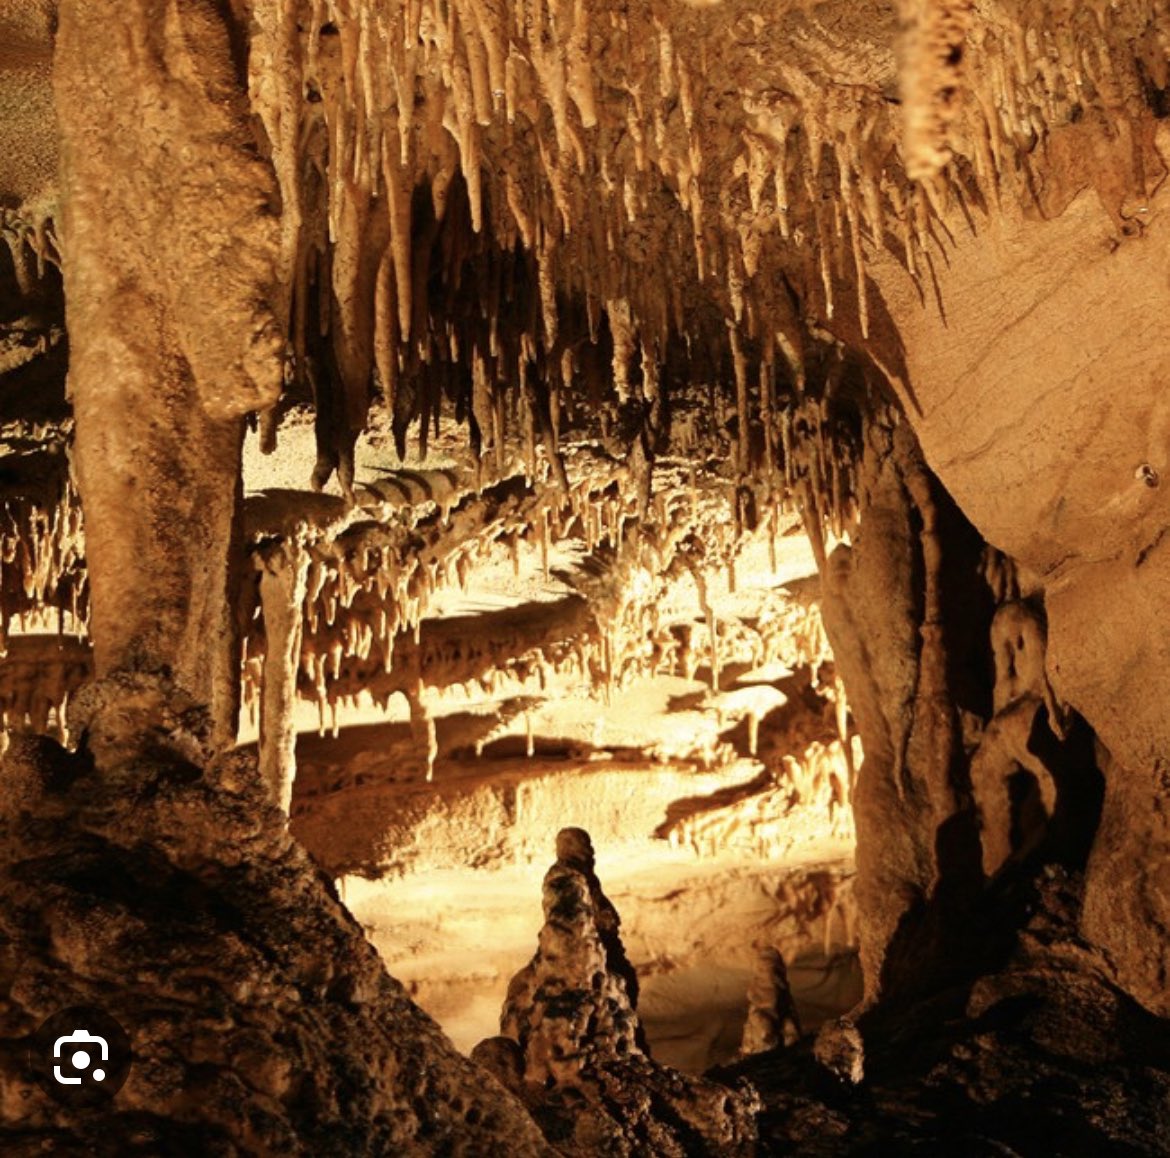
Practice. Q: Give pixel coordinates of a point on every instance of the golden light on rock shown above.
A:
(714, 451)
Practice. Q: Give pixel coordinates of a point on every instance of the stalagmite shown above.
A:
(570, 1023)
(772, 1020)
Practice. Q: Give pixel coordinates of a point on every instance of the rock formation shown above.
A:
(571, 1045)
(1028, 737)
(170, 895)
(1005, 1060)
(840, 1049)
(772, 1019)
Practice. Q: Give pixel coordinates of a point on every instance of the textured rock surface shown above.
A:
(1042, 1055)
(905, 613)
(580, 952)
(28, 129)
(974, 212)
(261, 1020)
(1033, 774)
(571, 1044)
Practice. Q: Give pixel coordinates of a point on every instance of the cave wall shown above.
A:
(976, 778)
(1034, 382)
(173, 898)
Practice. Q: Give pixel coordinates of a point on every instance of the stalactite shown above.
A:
(622, 329)
(405, 106)
(743, 433)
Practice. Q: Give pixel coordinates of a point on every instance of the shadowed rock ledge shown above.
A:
(261, 1020)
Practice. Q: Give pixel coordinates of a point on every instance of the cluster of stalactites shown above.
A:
(1029, 102)
(694, 532)
(31, 237)
(808, 800)
(1037, 68)
(821, 459)
(368, 588)
(595, 142)
(375, 581)
(44, 604)
(791, 632)
(38, 675)
(472, 193)
(43, 582)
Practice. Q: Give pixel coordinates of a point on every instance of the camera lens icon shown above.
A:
(78, 1047)
(80, 1056)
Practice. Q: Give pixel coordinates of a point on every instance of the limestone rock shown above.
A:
(576, 1053)
(261, 1020)
(898, 265)
(1034, 790)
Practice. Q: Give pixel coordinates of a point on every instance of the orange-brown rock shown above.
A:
(571, 1044)
(261, 1021)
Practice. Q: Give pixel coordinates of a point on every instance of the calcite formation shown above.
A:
(841, 1050)
(772, 1019)
(571, 1044)
(42, 546)
(580, 959)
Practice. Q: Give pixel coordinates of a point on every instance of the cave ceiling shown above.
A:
(709, 185)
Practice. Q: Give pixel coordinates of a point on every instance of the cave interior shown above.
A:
(586, 578)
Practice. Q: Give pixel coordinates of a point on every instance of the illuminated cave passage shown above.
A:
(584, 579)
(718, 803)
